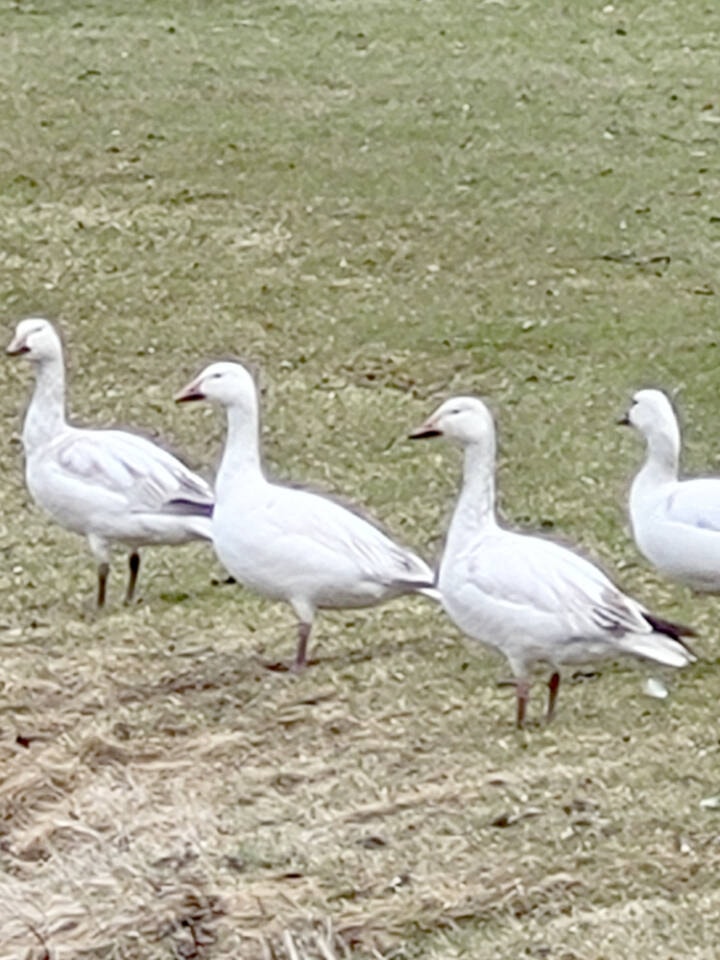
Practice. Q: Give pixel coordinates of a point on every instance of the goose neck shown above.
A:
(476, 505)
(241, 457)
(663, 457)
(45, 416)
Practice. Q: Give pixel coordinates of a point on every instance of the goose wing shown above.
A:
(695, 503)
(309, 524)
(540, 577)
(127, 467)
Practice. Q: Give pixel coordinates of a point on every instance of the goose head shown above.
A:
(652, 414)
(228, 384)
(36, 340)
(466, 420)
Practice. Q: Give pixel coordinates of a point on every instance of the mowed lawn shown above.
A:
(376, 205)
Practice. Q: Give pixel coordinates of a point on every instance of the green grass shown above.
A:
(377, 205)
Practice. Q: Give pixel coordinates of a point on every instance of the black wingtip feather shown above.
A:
(675, 630)
(189, 507)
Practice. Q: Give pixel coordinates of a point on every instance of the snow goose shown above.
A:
(287, 543)
(675, 523)
(110, 486)
(531, 599)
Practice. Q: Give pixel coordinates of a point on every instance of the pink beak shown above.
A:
(192, 391)
(428, 429)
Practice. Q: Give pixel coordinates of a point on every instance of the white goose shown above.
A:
(290, 544)
(526, 597)
(676, 523)
(110, 486)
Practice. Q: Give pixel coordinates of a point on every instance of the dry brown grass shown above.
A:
(179, 799)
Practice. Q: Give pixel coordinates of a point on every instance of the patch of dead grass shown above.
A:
(221, 810)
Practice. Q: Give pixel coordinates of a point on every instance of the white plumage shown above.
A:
(531, 599)
(287, 543)
(675, 523)
(109, 486)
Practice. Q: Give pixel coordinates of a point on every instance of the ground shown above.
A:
(376, 205)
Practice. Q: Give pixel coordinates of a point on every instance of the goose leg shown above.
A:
(101, 551)
(301, 653)
(103, 571)
(522, 693)
(134, 566)
(553, 687)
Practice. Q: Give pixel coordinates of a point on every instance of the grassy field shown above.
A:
(376, 204)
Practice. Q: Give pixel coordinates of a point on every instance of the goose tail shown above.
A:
(665, 645)
(432, 593)
(196, 516)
